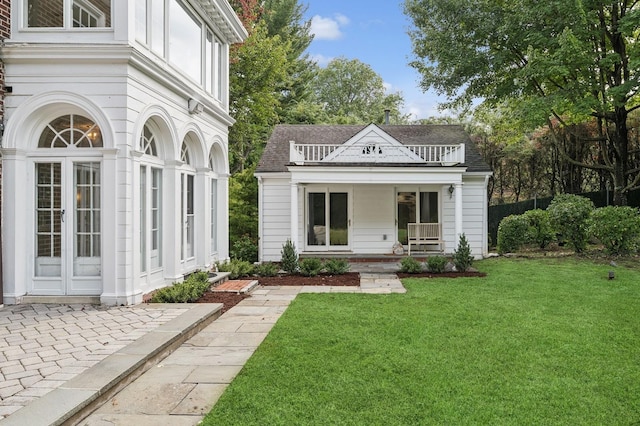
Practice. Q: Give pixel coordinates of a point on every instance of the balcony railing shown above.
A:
(445, 155)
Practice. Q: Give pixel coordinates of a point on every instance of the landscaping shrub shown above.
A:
(267, 269)
(237, 268)
(540, 230)
(617, 228)
(245, 248)
(462, 257)
(436, 264)
(568, 214)
(409, 265)
(512, 233)
(310, 267)
(336, 266)
(187, 291)
(289, 260)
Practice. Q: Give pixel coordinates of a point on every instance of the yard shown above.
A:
(549, 341)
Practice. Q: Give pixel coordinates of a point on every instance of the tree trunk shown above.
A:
(620, 144)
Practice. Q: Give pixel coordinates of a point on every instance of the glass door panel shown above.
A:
(317, 225)
(428, 207)
(87, 260)
(156, 218)
(338, 219)
(49, 217)
(406, 213)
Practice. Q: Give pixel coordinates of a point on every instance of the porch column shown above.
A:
(115, 277)
(294, 215)
(16, 226)
(458, 212)
(223, 217)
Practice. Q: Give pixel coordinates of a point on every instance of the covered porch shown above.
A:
(365, 213)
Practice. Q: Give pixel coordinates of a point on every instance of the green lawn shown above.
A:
(534, 342)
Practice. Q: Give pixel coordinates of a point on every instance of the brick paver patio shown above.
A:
(42, 346)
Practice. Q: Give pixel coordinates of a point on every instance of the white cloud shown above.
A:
(320, 59)
(328, 28)
(341, 19)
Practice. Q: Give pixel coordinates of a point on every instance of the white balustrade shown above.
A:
(446, 155)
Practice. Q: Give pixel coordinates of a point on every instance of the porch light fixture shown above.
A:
(451, 189)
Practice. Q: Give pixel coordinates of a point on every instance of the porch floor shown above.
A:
(369, 258)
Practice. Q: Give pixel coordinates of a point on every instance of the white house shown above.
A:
(115, 165)
(356, 190)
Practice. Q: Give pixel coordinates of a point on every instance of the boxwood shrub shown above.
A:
(410, 265)
(617, 228)
(569, 214)
(513, 233)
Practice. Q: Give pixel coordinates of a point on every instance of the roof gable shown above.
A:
(276, 155)
(372, 145)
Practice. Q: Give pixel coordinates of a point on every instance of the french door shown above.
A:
(415, 207)
(67, 228)
(328, 221)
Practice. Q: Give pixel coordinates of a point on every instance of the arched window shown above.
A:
(151, 203)
(71, 131)
(187, 181)
(148, 142)
(184, 154)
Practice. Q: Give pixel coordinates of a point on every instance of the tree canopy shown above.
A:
(568, 62)
(350, 91)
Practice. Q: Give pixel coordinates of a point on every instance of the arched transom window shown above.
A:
(148, 142)
(71, 131)
(184, 154)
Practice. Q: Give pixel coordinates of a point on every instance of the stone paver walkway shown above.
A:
(42, 346)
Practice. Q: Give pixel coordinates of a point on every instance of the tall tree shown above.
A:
(559, 60)
(285, 18)
(256, 68)
(352, 92)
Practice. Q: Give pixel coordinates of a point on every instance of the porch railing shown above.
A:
(446, 155)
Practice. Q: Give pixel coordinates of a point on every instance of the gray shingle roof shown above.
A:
(275, 157)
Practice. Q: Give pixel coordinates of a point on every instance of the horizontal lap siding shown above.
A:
(373, 217)
(276, 217)
(473, 214)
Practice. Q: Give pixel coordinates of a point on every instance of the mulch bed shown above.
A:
(348, 279)
(229, 300)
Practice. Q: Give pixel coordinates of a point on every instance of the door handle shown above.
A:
(62, 215)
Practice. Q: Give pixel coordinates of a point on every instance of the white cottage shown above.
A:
(115, 164)
(356, 190)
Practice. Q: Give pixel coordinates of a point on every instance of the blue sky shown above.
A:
(374, 32)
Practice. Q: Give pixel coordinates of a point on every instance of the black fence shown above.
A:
(500, 211)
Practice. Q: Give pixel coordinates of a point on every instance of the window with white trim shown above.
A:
(187, 187)
(172, 30)
(150, 203)
(67, 13)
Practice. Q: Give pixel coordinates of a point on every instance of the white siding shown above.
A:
(475, 215)
(373, 219)
(373, 215)
(275, 212)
